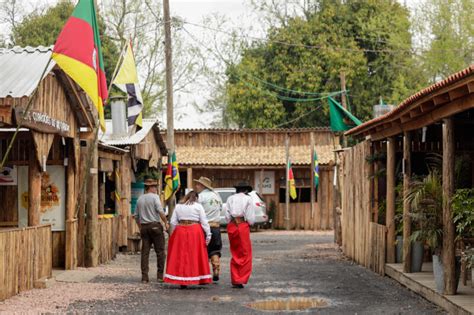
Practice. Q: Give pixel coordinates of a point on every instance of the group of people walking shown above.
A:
(195, 234)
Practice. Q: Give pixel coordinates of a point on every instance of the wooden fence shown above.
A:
(108, 247)
(133, 235)
(25, 257)
(362, 240)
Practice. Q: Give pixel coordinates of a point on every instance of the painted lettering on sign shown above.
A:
(41, 122)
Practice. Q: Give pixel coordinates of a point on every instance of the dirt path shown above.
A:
(302, 266)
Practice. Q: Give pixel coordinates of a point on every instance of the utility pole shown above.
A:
(343, 89)
(343, 100)
(169, 89)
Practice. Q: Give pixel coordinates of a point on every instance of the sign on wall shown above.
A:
(268, 182)
(53, 197)
(41, 122)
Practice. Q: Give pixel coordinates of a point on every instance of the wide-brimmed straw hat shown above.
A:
(151, 182)
(206, 182)
(244, 184)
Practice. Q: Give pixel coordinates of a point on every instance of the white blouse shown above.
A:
(240, 205)
(192, 212)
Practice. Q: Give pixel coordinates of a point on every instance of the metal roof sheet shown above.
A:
(21, 68)
(110, 138)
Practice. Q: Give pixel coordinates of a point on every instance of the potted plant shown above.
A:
(463, 218)
(426, 200)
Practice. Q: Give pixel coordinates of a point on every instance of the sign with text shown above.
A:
(268, 182)
(41, 122)
(53, 197)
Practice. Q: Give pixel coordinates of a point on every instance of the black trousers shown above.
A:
(152, 233)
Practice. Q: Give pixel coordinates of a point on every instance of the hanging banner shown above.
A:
(8, 176)
(53, 197)
(268, 182)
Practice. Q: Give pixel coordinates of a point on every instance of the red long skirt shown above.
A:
(187, 262)
(241, 250)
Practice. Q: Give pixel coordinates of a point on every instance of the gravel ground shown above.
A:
(286, 265)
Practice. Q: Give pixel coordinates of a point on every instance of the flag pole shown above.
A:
(312, 166)
(30, 102)
(287, 191)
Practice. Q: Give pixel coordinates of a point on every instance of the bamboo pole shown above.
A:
(313, 188)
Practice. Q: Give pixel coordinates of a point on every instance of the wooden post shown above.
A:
(261, 182)
(448, 190)
(376, 185)
(71, 230)
(101, 193)
(189, 173)
(311, 170)
(406, 204)
(34, 188)
(287, 190)
(342, 77)
(118, 187)
(390, 215)
(92, 220)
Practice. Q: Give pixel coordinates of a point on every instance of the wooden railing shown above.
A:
(108, 239)
(25, 257)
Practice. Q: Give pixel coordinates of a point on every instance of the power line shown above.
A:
(299, 117)
(320, 47)
(281, 97)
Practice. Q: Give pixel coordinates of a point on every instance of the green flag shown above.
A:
(337, 114)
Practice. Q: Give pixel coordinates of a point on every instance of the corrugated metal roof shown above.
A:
(110, 139)
(252, 155)
(412, 99)
(21, 68)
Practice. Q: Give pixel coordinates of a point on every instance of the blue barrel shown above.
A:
(138, 189)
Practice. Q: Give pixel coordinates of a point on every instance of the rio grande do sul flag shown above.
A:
(78, 52)
(291, 181)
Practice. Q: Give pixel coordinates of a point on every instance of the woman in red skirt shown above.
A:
(187, 261)
(240, 214)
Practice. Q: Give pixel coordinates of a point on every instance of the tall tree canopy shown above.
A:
(370, 41)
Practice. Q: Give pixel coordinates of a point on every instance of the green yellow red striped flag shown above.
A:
(78, 52)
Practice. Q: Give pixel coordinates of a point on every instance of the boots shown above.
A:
(216, 267)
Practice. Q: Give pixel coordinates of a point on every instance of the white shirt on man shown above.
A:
(192, 212)
(240, 205)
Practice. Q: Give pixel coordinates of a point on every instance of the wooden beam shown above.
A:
(447, 110)
(406, 204)
(448, 225)
(441, 99)
(390, 215)
(189, 179)
(92, 220)
(34, 189)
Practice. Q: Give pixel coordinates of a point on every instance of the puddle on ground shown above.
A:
(281, 290)
(291, 304)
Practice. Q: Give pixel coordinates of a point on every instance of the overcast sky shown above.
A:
(238, 13)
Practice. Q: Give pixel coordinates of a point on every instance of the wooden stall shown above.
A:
(40, 180)
(434, 123)
(131, 155)
(228, 156)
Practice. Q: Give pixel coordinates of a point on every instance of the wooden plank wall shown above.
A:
(133, 235)
(25, 256)
(362, 240)
(108, 247)
(253, 137)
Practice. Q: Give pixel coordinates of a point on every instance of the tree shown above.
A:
(369, 41)
(449, 36)
(142, 22)
(43, 27)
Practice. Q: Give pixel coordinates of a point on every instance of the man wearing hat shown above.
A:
(148, 214)
(240, 214)
(212, 204)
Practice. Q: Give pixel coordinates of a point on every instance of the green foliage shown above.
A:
(356, 37)
(426, 200)
(463, 212)
(42, 28)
